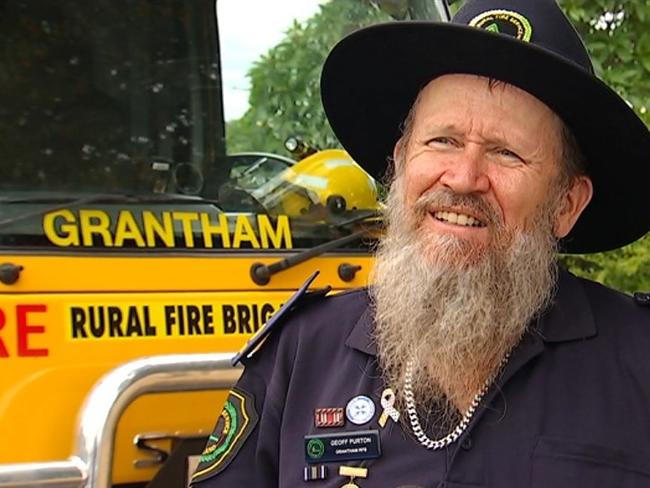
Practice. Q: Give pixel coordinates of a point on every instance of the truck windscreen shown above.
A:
(108, 96)
(146, 125)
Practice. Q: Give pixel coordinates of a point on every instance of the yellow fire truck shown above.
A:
(133, 246)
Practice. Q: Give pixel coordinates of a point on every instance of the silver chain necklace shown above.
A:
(464, 421)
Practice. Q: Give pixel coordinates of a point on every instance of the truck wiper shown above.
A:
(62, 203)
(261, 273)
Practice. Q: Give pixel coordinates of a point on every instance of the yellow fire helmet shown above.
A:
(326, 184)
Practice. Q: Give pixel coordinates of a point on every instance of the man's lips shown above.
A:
(457, 218)
(469, 212)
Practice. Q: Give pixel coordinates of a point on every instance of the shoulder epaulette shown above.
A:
(299, 299)
(642, 299)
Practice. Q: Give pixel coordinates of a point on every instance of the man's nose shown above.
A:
(466, 172)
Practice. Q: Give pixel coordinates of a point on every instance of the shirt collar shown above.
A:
(361, 336)
(569, 318)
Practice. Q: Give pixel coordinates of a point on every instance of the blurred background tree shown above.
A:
(618, 38)
(285, 94)
(285, 82)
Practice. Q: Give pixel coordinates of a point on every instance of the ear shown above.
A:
(397, 150)
(575, 200)
(398, 154)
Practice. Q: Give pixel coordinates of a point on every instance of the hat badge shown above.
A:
(504, 22)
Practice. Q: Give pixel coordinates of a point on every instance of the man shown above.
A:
(472, 361)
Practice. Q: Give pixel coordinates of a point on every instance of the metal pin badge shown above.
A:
(353, 472)
(329, 417)
(388, 405)
(315, 473)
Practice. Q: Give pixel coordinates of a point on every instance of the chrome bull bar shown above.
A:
(91, 464)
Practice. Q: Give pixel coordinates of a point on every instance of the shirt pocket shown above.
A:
(559, 463)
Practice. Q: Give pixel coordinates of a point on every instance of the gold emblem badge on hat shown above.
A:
(504, 22)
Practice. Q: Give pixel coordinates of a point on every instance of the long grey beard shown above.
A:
(451, 307)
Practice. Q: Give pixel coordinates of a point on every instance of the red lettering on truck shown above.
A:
(3, 349)
(25, 330)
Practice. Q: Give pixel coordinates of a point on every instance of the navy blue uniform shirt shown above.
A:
(570, 409)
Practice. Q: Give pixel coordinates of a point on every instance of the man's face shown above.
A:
(468, 256)
(498, 146)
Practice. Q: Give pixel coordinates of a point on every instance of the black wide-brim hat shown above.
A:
(373, 76)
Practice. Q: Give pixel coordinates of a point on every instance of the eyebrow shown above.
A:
(453, 128)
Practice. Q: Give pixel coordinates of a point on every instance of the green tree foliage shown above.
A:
(285, 95)
(285, 91)
(617, 36)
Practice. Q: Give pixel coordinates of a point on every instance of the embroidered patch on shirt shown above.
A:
(237, 420)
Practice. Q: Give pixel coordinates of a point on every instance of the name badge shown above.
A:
(342, 446)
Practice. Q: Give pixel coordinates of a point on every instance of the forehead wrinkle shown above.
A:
(432, 113)
(472, 128)
(499, 92)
